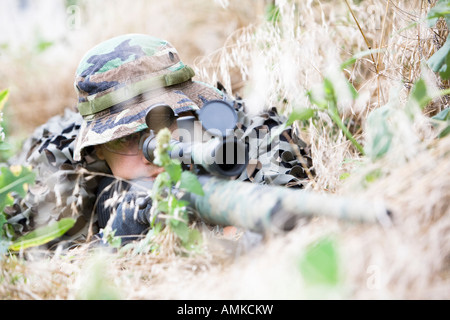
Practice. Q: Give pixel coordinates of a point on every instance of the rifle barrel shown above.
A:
(261, 208)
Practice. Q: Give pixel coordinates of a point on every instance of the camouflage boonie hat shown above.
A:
(119, 79)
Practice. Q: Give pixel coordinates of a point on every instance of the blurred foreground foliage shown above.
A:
(16, 179)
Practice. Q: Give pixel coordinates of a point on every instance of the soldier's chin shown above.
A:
(150, 174)
(146, 172)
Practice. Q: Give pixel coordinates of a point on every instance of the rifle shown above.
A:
(218, 156)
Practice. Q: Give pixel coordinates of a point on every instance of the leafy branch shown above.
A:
(167, 187)
(440, 60)
(329, 105)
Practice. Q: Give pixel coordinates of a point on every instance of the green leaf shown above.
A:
(179, 204)
(330, 95)
(359, 55)
(3, 98)
(444, 132)
(3, 220)
(444, 115)
(420, 93)
(162, 206)
(381, 135)
(352, 90)
(331, 107)
(418, 98)
(440, 10)
(43, 45)
(372, 176)
(174, 171)
(319, 264)
(312, 98)
(4, 146)
(189, 182)
(96, 282)
(440, 60)
(181, 229)
(161, 181)
(43, 235)
(300, 114)
(14, 179)
(344, 176)
(109, 236)
(272, 13)
(194, 239)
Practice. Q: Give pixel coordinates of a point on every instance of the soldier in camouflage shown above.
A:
(96, 153)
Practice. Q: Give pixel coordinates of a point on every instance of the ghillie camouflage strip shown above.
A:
(64, 187)
(274, 157)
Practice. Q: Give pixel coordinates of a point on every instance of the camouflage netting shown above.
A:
(67, 188)
(277, 155)
(64, 187)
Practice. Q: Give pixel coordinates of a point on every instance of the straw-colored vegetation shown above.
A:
(278, 56)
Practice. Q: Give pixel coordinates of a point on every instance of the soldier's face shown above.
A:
(128, 166)
(125, 158)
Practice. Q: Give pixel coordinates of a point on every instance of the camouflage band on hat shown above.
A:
(97, 104)
(119, 79)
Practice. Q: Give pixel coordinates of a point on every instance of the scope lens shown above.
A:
(231, 158)
(218, 116)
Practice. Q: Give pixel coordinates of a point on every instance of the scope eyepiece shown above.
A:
(160, 116)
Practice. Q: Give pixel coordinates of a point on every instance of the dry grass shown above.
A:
(274, 65)
(41, 83)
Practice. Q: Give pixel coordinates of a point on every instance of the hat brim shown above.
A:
(129, 117)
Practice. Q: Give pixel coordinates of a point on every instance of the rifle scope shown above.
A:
(215, 148)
